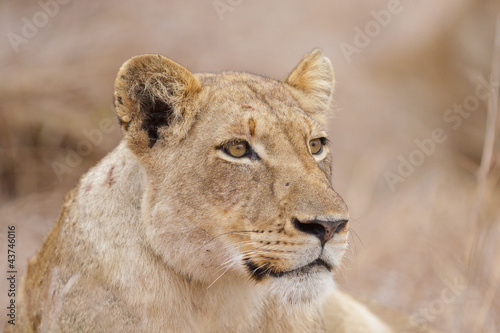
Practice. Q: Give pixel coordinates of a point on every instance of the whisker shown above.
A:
(357, 236)
(211, 284)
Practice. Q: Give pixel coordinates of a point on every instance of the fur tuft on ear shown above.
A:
(312, 83)
(152, 92)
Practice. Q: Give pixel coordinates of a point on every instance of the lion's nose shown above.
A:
(323, 229)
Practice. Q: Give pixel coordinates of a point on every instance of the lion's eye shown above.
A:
(237, 149)
(316, 146)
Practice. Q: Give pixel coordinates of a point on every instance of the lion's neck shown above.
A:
(229, 305)
(166, 297)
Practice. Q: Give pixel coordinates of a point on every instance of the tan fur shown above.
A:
(163, 234)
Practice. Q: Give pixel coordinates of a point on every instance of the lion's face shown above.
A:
(239, 171)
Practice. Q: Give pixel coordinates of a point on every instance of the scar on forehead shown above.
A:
(246, 106)
(251, 126)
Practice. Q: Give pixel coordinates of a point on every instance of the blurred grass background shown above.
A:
(429, 246)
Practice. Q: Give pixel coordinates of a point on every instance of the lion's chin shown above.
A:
(307, 284)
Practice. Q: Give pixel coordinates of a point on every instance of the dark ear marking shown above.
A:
(151, 93)
(159, 114)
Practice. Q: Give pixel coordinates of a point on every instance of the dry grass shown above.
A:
(430, 248)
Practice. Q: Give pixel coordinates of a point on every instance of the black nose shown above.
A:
(324, 230)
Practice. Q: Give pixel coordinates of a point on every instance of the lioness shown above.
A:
(214, 214)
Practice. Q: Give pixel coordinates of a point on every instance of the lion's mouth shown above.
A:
(260, 272)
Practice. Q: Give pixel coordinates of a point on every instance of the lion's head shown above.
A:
(239, 172)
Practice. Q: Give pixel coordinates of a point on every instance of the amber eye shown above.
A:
(237, 149)
(316, 146)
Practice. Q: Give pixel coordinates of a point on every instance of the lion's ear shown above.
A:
(312, 82)
(151, 93)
